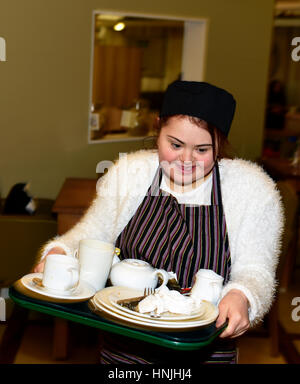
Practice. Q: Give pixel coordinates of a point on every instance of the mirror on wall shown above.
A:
(133, 61)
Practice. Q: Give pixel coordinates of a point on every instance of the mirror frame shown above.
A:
(194, 50)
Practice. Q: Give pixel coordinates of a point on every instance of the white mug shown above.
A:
(61, 273)
(137, 274)
(95, 258)
(208, 286)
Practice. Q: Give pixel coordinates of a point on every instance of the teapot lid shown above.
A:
(136, 263)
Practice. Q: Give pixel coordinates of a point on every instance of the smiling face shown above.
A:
(185, 151)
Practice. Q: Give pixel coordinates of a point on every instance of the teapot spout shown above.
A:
(116, 254)
(115, 260)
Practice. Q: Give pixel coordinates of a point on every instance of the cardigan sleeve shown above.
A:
(119, 192)
(100, 219)
(257, 252)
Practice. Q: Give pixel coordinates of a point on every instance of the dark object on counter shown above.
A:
(19, 201)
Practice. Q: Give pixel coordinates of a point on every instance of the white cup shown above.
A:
(95, 258)
(61, 273)
(208, 286)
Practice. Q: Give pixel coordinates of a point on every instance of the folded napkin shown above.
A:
(165, 300)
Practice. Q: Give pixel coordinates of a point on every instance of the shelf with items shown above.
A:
(282, 143)
(112, 124)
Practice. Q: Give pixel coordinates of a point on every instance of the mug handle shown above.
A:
(217, 292)
(165, 276)
(74, 277)
(76, 254)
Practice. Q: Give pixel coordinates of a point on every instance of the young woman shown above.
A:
(184, 207)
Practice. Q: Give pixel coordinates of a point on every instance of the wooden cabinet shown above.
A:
(74, 198)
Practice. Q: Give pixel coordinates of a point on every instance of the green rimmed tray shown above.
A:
(81, 313)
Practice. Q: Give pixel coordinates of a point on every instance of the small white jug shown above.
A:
(208, 286)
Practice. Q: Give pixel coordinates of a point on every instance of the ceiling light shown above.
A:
(119, 27)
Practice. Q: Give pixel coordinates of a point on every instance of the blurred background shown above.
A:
(45, 99)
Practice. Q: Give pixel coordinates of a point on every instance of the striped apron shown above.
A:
(182, 239)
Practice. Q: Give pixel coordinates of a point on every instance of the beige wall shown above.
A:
(44, 84)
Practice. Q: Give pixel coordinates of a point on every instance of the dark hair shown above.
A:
(218, 138)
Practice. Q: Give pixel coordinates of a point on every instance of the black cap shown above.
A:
(200, 99)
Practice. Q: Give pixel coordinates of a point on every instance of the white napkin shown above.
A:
(165, 300)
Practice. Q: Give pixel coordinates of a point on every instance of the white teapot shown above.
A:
(208, 286)
(137, 274)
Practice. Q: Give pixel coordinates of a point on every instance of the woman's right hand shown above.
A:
(39, 268)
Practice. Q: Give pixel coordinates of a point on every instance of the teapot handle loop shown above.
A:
(165, 276)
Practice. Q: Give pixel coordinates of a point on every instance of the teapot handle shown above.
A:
(165, 276)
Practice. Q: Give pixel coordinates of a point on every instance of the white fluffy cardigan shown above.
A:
(253, 213)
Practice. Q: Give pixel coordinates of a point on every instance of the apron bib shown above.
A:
(182, 239)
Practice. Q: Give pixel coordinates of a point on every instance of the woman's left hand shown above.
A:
(234, 307)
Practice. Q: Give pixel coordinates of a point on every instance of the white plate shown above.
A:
(101, 300)
(163, 325)
(167, 316)
(109, 297)
(131, 315)
(82, 291)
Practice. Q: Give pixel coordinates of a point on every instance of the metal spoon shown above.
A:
(154, 314)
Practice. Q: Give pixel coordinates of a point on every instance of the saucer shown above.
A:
(82, 291)
(169, 316)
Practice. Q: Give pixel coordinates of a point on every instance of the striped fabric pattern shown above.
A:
(178, 238)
